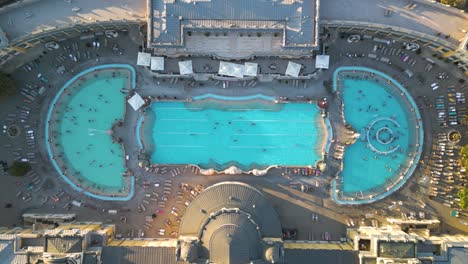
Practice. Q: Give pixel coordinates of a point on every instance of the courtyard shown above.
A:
(302, 202)
(160, 194)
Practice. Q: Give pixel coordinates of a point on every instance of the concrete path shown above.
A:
(49, 14)
(423, 16)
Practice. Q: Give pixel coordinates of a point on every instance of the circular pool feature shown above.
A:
(79, 132)
(391, 135)
(13, 131)
(384, 135)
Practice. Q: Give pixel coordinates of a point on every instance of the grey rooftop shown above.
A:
(297, 20)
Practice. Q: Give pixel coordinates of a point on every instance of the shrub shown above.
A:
(464, 157)
(19, 168)
(7, 85)
(461, 4)
(463, 195)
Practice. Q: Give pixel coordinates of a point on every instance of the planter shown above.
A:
(454, 136)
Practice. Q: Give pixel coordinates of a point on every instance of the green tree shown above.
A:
(463, 195)
(19, 168)
(461, 4)
(464, 157)
(7, 85)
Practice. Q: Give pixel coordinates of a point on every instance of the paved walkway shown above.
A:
(46, 15)
(429, 18)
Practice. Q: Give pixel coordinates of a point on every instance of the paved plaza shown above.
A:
(421, 16)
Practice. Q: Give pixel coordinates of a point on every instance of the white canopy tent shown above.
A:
(136, 102)
(231, 69)
(185, 67)
(322, 61)
(157, 63)
(144, 59)
(293, 69)
(250, 69)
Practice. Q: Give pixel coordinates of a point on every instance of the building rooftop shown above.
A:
(320, 256)
(229, 222)
(456, 255)
(397, 249)
(64, 244)
(296, 19)
(216, 198)
(140, 255)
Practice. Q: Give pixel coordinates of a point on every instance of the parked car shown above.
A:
(52, 46)
(111, 34)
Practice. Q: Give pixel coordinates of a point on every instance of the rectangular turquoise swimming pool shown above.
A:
(252, 134)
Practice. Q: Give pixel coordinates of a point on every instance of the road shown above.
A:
(49, 14)
(429, 18)
(423, 17)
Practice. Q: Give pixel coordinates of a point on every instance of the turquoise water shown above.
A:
(216, 134)
(386, 144)
(80, 130)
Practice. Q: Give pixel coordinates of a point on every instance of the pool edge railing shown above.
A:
(138, 128)
(234, 98)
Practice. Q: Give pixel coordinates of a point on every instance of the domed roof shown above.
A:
(230, 195)
(232, 235)
(230, 219)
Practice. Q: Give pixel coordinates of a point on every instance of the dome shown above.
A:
(230, 219)
(231, 234)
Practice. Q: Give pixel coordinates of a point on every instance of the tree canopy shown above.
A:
(464, 157)
(461, 4)
(463, 195)
(7, 85)
(19, 168)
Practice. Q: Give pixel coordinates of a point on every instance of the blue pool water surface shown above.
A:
(81, 130)
(386, 140)
(217, 134)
